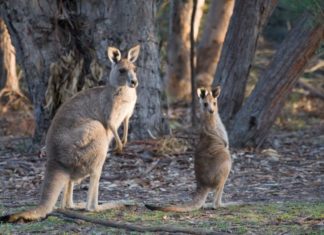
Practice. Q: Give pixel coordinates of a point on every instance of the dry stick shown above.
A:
(313, 92)
(192, 65)
(318, 65)
(131, 227)
(126, 177)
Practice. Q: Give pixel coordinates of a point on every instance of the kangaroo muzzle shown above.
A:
(132, 80)
(133, 83)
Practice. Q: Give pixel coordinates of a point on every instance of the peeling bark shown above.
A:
(8, 74)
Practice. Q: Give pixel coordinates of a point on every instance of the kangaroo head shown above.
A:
(123, 70)
(208, 99)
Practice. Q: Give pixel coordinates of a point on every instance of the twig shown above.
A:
(312, 91)
(151, 135)
(18, 205)
(319, 64)
(143, 142)
(126, 177)
(66, 218)
(301, 221)
(131, 227)
(186, 137)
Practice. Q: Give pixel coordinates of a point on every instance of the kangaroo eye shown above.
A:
(122, 71)
(135, 69)
(214, 103)
(206, 104)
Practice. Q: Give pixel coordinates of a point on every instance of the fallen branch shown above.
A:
(319, 64)
(311, 90)
(126, 177)
(132, 227)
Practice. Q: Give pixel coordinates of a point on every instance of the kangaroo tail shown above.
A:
(196, 203)
(54, 181)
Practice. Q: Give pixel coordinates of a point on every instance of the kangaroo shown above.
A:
(79, 136)
(212, 161)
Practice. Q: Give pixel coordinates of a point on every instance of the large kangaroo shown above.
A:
(212, 157)
(78, 138)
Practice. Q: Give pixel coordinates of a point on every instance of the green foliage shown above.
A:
(287, 13)
(297, 7)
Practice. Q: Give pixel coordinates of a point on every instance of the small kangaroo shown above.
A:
(79, 136)
(212, 161)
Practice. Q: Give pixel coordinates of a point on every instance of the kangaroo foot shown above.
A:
(124, 141)
(22, 217)
(79, 206)
(119, 149)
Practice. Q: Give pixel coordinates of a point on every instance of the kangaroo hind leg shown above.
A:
(217, 200)
(53, 183)
(93, 191)
(67, 197)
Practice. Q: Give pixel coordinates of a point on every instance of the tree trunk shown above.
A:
(43, 32)
(210, 45)
(8, 74)
(252, 123)
(178, 72)
(238, 53)
(46, 33)
(131, 23)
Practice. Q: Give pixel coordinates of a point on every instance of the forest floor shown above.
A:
(280, 186)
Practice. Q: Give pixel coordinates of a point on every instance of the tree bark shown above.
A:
(252, 123)
(178, 71)
(44, 32)
(211, 43)
(131, 23)
(8, 74)
(238, 53)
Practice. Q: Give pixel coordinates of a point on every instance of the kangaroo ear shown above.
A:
(216, 91)
(202, 92)
(133, 53)
(114, 54)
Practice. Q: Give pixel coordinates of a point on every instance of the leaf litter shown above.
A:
(289, 168)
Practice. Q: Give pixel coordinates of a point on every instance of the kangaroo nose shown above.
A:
(134, 83)
(211, 111)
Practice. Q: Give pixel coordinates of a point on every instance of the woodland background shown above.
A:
(266, 54)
